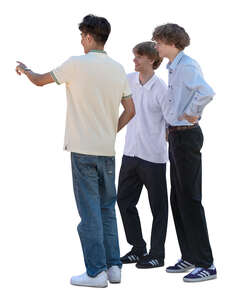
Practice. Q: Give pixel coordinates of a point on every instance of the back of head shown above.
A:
(172, 34)
(148, 49)
(98, 27)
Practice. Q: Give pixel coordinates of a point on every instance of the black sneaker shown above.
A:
(148, 262)
(131, 257)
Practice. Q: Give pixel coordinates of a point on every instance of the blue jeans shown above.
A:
(95, 194)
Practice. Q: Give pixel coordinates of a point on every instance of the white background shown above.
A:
(40, 248)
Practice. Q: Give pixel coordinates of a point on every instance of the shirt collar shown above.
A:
(97, 51)
(148, 85)
(172, 65)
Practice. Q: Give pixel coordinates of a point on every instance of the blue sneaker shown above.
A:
(201, 274)
(180, 267)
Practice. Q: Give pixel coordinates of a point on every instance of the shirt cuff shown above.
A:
(54, 77)
(127, 97)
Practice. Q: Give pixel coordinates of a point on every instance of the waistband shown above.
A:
(185, 127)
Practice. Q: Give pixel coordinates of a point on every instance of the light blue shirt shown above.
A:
(188, 92)
(145, 137)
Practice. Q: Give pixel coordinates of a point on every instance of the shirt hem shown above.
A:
(89, 152)
(163, 161)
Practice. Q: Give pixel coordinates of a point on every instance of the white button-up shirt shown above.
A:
(145, 137)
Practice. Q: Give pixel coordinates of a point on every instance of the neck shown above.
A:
(172, 56)
(145, 76)
(96, 47)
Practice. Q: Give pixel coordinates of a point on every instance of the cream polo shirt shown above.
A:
(95, 86)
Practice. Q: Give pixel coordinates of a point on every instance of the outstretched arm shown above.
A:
(37, 79)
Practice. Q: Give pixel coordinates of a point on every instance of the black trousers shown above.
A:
(186, 196)
(135, 173)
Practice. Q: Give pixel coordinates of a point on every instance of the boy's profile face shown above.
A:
(142, 63)
(163, 48)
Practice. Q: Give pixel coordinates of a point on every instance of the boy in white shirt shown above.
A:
(144, 160)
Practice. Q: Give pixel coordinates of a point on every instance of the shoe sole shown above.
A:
(115, 282)
(130, 262)
(200, 279)
(85, 285)
(180, 271)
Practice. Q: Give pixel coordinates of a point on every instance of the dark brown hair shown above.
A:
(172, 34)
(99, 28)
(148, 49)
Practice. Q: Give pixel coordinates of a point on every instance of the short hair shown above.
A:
(172, 34)
(148, 49)
(98, 27)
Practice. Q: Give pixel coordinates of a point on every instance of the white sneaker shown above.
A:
(99, 281)
(114, 274)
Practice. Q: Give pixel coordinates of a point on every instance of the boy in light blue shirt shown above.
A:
(188, 94)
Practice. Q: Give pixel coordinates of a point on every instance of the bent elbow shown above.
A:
(132, 113)
(39, 83)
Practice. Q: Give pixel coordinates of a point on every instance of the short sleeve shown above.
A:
(126, 90)
(162, 92)
(63, 73)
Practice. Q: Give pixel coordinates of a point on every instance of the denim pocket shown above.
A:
(86, 165)
(110, 165)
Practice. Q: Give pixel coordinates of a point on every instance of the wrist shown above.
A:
(26, 70)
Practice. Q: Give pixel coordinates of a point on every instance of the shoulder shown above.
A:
(188, 62)
(132, 78)
(76, 59)
(114, 63)
(160, 84)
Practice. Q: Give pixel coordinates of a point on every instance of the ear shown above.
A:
(89, 38)
(152, 61)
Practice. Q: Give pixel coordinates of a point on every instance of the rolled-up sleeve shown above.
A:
(201, 92)
(63, 73)
(126, 89)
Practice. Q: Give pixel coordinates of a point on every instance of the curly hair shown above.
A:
(148, 49)
(172, 34)
(98, 27)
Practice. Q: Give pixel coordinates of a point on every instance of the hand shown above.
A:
(20, 68)
(167, 134)
(190, 119)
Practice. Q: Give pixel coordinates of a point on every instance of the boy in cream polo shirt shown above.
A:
(95, 85)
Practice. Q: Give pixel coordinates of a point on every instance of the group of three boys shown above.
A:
(96, 85)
